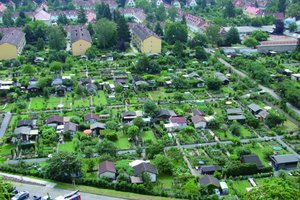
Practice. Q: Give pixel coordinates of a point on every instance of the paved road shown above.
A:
(266, 89)
(55, 192)
(33, 160)
(279, 140)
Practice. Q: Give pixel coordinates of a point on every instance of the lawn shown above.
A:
(223, 135)
(67, 147)
(5, 149)
(37, 103)
(100, 99)
(240, 186)
(245, 132)
(82, 102)
(53, 102)
(290, 126)
(165, 180)
(122, 142)
(148, 135)
(159, 94)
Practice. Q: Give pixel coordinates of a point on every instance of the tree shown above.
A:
(106, 147)
(282, 6)
(293, 27)
(279, 27)
(111, 125)
(49, 135)
(172, 13)
(212, 33)
(179, 83)
(176, 31)
(163, 164)
(199, 39)
(133, 131)
(161, 13)
(139, 122)
(40, 44)
(63, 20)
(56, 66)
(250, 42)
(273, 119)
(235, 129)
(81, 16)
(190, 188)
(5, 189)
(28, 69)
(229, 9)
(178, 49)
(158, 30)
(34, 30)
(154, 149)
(105, 33)
(178, 96)
(57, 40)
(64, 166)
(213, 83)
(144, 65)
(150, 108)
(21, 20)
(200, 53)
(123, 30)
(103, 11)
(259, 35)
(275, 188)
(232, 37)
(7, 18)
(293, 10)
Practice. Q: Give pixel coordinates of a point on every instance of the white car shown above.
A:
(21, 196)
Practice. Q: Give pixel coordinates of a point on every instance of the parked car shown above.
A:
(21, 196)
(36, 197)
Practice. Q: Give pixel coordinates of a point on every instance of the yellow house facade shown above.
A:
(12, 44)
(145, 40)
(79, 47)
(8, 51)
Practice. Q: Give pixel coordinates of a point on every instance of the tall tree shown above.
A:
(229, 9)
(212, 33)
(158, 30)
(34, 30)
(176, 31)
(81, 16)
(5, 189)
(7, 18)
(103, 11)
(282, 6)
(57, 40)
(123, 30)
(105, 33)
(232, 37)
(172, 13)
(64, 166)
(62, 19)
(161, 13)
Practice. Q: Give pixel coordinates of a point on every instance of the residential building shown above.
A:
(42, 15)
(254, 108)
(137, 14)
(278, 43)
(97, 127)
(80, 40)
(286, 161)
(130, 3)
(91, 118)
(235, 114)
(199, 122)
(70, 128)
(146, 168)
(247, 30)
(209, 180)
(71, 15)
(222, 78)
(107, 169)
(85, 4)
(12, 44)
(194, 23)
(6, 84)
(26, 134)
(252, 11)
(176, 4)
(191, 3)
(224, 188)
(179, 122)
(144, 39)
(165, 114)
(210, 169)
(55, 121)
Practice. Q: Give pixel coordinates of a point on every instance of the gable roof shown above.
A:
(106, 166)
(197, 118)
(210, 168)
(234, 111)
(286, 158)
(128, 113)
(22, 130)
(209, 180)
(252, 158)
(42, 15)
(87, 117)
(254, 107)
(70, 126)
(14, 37)
(198, 112)
(144, 167)
(97, 125)
(142, 31)
(26, 122)
(55, 119)
(79, 32)
(178, 120)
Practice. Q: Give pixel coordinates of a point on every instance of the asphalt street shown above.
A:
(55, 192)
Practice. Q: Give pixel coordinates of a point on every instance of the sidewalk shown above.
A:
(24, 179)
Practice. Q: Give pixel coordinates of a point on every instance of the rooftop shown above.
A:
(142, 31)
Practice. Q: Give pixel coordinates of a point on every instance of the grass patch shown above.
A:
(5, 149)
(67, 147)
(290, 126)
(165, 180)
(122, 142)
(37, 103)
(100, 99)
(240, 186)
(148, 135)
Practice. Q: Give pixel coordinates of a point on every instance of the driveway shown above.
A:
(55, 192)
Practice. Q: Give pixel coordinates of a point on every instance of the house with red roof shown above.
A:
(179, 122)
(253, 11)
(194, 23)
(107, 169)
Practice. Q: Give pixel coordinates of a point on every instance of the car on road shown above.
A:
(21, 196)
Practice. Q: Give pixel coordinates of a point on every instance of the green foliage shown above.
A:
(198, 40)
(200, 53)
(106, 147)
(64, 166)
(163, 164)
(105, 33)
(7, 18)
(40, 44)
(5, 189)
(274, 119)
(144, 65)
(103, 11)
(212, 34)
(176, 31)
(213, 83)
(259, 35)
(57, 40)
(250, 42)
(34, 30)
(123, 30)
(154, 149)
(229, 9)
(133, 131)
(232, 37)
(150, 108)
(81, 16)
